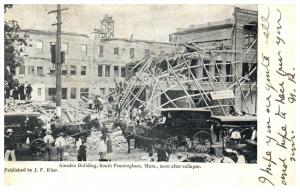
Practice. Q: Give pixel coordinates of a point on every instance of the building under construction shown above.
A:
(215, 68)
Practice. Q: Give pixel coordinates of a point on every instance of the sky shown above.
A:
(148, 22)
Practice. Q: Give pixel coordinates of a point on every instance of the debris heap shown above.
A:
(185, 79)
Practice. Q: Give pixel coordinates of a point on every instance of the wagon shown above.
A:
(185, 128)
(27, 128)
(244, 125)
(23, 125)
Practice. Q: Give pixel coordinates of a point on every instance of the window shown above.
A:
(116, 51)
(107, 71)
(131, 53)
(84, 92)
(217, 69)
(100, 51)
(22, 70)
(39, 46)
(84, 49)
(250, 35)
(194, 70)
(30, 70)
(73, 93)
(64, 93)
(83, 70)
(73, 70)
(39, 71)
(51, 91)
(64, 70)
(102, 91)
(52, 72)
(229, 77)
(123, 72)
(100, 70)
(39, 91)
(247, 68)
(205, 69)
(147, 51)
(64, 47)
(116, 71)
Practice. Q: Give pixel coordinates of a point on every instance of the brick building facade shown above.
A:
(91, 65)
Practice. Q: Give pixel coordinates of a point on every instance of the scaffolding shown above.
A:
(197, 74)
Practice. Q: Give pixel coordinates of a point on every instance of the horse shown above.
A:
(136, 133)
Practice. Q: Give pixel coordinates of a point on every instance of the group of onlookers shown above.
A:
(20, 92)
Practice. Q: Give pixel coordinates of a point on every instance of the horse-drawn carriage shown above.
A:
(238, 133)
(177, 127)
(29, 130)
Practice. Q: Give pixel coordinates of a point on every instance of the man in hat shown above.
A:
(60, 143)
(10, 145)
(22, 91)
(81, 156)
(28, 92)
(48, 139)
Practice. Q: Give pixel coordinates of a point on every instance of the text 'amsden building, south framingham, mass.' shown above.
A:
(94, 63)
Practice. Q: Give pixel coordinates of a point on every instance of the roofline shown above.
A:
(247, 11)
(40, 31)
(137, 40)
(208, 28)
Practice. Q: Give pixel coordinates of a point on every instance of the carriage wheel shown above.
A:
(37, 147)
(201, 142)
(172, 144)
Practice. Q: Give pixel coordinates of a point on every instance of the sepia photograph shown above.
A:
(131, 83)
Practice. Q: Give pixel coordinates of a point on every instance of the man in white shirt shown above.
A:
(60, 143)
(48, 139)
(254, 134)
(235, 135)
(102, 149)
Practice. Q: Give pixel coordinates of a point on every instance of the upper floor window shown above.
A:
(84, 49)
(64, 47)
(131, 53)
(123, 71)
(83, 70)
(107, 71)
(100, 51)
(147, 51)
(250, 36)
(30, 70)
(116, 71)
(64, 70)
(73, 70)
(39, 46)
(39, 71)
(116, 51)
(100, 70)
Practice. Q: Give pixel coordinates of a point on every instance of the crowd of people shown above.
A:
(20, 92)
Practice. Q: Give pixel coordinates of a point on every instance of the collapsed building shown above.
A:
(216, 69)
(212, 65)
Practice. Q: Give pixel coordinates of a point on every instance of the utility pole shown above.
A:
(58, 60)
